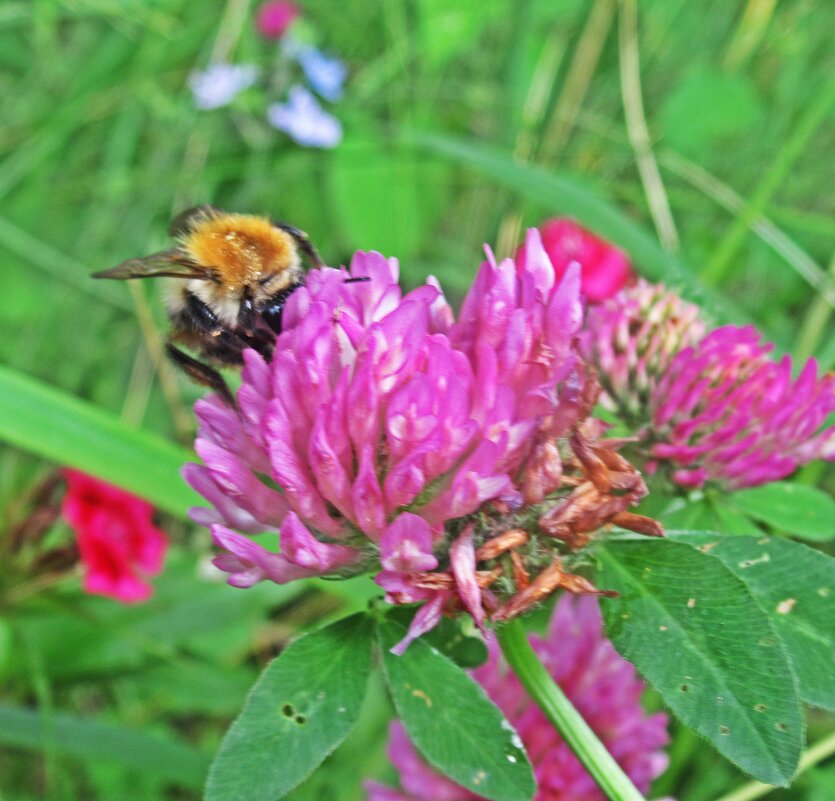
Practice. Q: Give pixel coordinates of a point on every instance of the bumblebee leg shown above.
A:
(198, 317)
(304, 243)
(273, 309)
(200, 373)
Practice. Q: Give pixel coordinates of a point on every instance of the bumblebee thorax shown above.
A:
(242, 250)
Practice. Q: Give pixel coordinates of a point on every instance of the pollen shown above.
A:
(241, 249)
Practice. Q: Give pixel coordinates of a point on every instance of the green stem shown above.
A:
(561, 712)
(817, 753)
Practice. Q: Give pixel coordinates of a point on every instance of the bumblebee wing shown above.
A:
(181, 224)
(165, 263)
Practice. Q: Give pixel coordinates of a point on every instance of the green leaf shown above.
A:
(695, 632)
(688, 514)
(59, 427)
(729, 520)
(795, 585)
(712, 512)
(94, 740)
(559, 194)
(798, 509)
(302, 707)
(453, 723)
(453, 637)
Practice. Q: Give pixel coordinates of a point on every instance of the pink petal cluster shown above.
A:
(631, 340)
(274, 18)
(380, 419)
(602, 685)
(724, 411)
(119, 545)
(605, 269)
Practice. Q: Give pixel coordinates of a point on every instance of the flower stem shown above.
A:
(817, 753)
(561, 712)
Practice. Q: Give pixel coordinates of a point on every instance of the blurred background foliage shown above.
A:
(704, 126)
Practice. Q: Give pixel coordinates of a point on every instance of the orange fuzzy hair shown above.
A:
(240, 248)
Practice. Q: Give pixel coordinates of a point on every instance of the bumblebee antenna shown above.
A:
(357, 279)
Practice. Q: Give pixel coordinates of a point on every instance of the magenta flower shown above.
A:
(605, 269)
(602, 685)
(120, 547)
(725, 412)
(382, 425)
(274, 18)
(631, 340)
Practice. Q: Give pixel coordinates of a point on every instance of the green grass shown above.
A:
(464, 123)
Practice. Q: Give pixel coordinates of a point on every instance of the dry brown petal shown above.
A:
(540, 588)
(613, 460)
(446, 581)
(595, 470)
(578, 585)
(500, 507)
(639, 523)
(584, 497)
(624, 481)
(613, 443)
(513, 538)
(542, 474)
(521, 578)
(484, 578)
(590, 392)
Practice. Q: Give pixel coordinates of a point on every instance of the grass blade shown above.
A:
(560, 195)
(69, 431)
(83, 739)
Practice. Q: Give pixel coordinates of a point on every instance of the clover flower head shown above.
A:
(725, 412)
(304, 120)
(220, 83)
(631, 340)
(119, 545)
(601, 684)
(604, 269)
(398, 439)
(275, 17)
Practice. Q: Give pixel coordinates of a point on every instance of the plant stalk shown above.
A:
(821, 750)
(561, 712)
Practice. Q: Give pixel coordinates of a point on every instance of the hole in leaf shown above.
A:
(685, 688)
(781, 727)
(760, 707)
(288, 711)
(724, 730)
(300, 719)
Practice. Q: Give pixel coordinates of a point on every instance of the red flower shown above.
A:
(275, 18)
(605, 268)
(119, 544)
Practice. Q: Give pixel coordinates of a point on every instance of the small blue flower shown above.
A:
(220, 84)
(324, 73)
(304, 120)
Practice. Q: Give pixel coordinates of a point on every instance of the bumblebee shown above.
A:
(229, 278)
